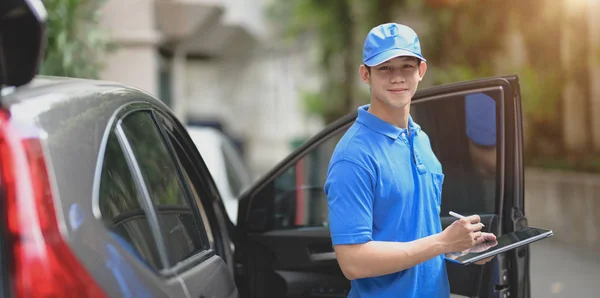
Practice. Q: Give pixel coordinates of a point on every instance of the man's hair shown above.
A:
(415, 58)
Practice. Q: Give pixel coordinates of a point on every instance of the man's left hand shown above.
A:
(488, 237)
(482, 262)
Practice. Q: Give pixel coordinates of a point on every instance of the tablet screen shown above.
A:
(503, 243)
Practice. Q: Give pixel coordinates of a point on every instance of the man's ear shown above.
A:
(364, 74)
(422, 70)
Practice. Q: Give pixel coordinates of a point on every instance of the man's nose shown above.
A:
(397, 78)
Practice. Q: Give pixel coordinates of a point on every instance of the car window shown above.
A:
(299, 197)
(182, 232)
(203, 192)
(186, 166)
(463, 135)
(462, 132)
(119, 202)
(205, 222)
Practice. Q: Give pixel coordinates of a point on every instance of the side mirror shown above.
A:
(22, 40)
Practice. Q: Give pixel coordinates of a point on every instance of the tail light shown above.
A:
(41, 263)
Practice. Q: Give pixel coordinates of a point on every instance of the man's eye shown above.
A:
(408, 65)
(385, 68)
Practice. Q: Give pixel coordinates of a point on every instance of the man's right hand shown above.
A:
(462, 234)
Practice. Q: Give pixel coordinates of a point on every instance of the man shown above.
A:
(384, 183)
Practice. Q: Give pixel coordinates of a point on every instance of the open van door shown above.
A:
(283, 245)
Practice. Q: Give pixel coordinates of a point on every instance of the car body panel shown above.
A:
(76, 117)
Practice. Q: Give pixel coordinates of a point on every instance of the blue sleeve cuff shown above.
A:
(351, 238)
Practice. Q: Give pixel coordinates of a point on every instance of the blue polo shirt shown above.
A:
(385, 185)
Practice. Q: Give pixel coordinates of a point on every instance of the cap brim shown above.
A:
(390, 54)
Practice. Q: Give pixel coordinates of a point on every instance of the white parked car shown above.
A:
(224, 163)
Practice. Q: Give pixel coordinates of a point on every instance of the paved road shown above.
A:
(560, 270)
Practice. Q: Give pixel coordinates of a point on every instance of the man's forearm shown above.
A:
(376, 258)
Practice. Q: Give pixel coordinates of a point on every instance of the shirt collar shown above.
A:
(382, 127)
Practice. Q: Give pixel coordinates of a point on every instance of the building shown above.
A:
(215, 62)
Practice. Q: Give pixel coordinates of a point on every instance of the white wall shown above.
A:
(258, 99)
(248, 13)
(135, 62)
(561, 201)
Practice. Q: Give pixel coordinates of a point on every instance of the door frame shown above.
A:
(509, 184)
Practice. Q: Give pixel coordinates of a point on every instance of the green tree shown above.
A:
(463, 40)
(76, 44)
(337, 28)
(460, 44)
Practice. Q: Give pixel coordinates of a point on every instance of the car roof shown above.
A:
(63, 89)
(48, 101)
(75, 116)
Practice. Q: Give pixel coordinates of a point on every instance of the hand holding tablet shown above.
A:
(502, 244)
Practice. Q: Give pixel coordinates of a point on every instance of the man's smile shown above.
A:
(398, 90)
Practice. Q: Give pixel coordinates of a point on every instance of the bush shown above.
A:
(76, 44)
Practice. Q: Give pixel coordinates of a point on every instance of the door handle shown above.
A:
(322, 256)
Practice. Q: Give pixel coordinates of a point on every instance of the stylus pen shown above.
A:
(452, 213)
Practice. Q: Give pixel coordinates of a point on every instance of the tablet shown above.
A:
(502, 244)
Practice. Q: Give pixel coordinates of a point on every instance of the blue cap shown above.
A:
(480, 110)
(388, 41)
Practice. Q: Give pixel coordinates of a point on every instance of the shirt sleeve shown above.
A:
(349, 189)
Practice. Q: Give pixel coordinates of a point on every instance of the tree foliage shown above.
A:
(76, 44)
(337, 28)
(463, 40)
(467, 41)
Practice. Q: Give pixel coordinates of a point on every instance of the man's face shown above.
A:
(395, 81)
